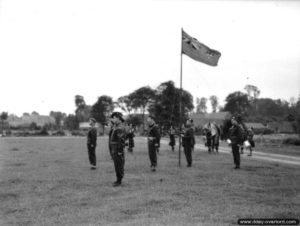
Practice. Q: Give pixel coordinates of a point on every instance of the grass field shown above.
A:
(47, 181)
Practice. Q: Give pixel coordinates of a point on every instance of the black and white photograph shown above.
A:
(149, 112)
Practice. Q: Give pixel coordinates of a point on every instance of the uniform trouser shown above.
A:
(130, 144)
(215, 142)
(92, 154)
(152, 153)
(236, 154)
(188, 155)
(119, 160)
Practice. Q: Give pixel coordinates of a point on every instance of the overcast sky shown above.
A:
(51, 51)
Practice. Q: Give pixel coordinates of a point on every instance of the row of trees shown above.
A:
(163, 102)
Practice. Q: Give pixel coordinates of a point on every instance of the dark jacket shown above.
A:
(118, 136)
(92, 137)
(236, 134)
(188, 139)
(153, 135)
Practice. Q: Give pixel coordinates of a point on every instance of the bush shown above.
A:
(263, 131)
(78, 133)
(292, 141)
(59, 133)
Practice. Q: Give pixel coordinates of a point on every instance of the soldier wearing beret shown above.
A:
(153, 141)
(92, 143)
(188, 141)
(117, 144)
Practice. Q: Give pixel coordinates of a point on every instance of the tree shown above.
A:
(58, 117)
(165, 106)
(237, 102)
(141, 99)
(125, 103)
(201, 105)
(71, 122)
(82, 111)
(3, 117)
(35, 113)
(214, 102)
(253, 93)
(102, 109)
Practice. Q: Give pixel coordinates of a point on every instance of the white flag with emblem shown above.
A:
(198, 51)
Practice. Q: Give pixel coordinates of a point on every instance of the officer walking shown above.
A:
(236, 139)
(117, 143)
(92, 143)
(188, 140)
(153, 141)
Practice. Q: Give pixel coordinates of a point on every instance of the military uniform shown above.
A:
(188, 140)
(172, 142)
(153, 144)
(236, 138)
(117, 143)
(130, 136)
(91, 146)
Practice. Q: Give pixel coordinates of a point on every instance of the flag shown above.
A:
(198, 51)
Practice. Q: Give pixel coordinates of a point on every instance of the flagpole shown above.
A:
(180, 103)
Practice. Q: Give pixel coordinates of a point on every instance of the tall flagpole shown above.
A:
(180, 103)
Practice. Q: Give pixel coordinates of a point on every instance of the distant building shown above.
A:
(255, 125)
(201, 119)
(26, 120)
(86, 125)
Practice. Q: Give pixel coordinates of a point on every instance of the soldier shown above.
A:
(117, 143)
(188, 140)
(110, 125)
(130, 136)
(236, 139)
(172, 142)
(92, 143)
(250, 135)
(153, 141)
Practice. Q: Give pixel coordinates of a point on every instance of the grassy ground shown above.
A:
(47, 181)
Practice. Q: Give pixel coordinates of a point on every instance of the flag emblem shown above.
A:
(198, 51)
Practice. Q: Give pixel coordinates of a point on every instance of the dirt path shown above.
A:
(286, 159)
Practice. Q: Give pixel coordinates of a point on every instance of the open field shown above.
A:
(47, 181)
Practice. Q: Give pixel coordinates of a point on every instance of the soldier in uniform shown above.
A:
(153, 141)
(236, 139)
(92, 143)
(188, 140)
(117, 144)
(110, 125)
(130, 136)
(172, 142)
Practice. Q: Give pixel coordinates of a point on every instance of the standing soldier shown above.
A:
(92, 143)
(110, 125)
(117, 143)
(188, 140)
(153, 141)
(130, 136)
(236, 139)
(172, 142)
(250, 135)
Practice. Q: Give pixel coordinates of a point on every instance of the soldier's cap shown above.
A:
(152, 116)
(118, 115)
(93, 120)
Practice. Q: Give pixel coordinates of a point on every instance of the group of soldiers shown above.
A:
(119, 135)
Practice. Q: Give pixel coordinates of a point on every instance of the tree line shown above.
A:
(163, 103)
